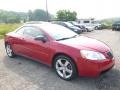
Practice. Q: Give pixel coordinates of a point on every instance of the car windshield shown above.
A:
(75, 23)
(58, 32)
(68, 24)
(117, 24)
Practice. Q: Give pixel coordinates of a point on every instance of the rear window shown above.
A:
(117, 24)
(86, 21)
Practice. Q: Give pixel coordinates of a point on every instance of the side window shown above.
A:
(20, 31)
(63, 24)
(32, 32)
(86, 21)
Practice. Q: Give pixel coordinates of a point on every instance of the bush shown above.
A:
(1, 36)
(5, 28)
(106, 26)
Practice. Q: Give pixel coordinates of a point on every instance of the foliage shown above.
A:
(107, 23)
(30, 15)
(66, 15)
(5, 28)
(11, 17)
(17, 17)
(38, 15)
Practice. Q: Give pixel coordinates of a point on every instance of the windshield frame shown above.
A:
(61, 34)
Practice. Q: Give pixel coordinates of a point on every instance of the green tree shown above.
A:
(17, 17)
(66, 15)
(3, 16)
(12, 17)
(40, 15)
(30, 15)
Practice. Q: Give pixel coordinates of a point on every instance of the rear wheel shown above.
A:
(113, 29)
(96, 28)
(64, 67)
(9, 50)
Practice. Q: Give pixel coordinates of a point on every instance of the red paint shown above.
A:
(44, 52)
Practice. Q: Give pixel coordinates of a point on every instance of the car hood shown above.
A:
(89, 26)
(85, 43)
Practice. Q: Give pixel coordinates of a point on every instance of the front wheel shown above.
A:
(9, 50)
(64, 67)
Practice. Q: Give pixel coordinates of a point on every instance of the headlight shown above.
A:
(92, 55)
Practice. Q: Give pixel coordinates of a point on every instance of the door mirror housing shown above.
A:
(41, 38)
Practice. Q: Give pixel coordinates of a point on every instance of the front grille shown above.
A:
(110, 55)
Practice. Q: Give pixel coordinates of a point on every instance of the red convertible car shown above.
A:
(68, 53)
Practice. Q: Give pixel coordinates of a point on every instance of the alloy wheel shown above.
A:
(9, 51)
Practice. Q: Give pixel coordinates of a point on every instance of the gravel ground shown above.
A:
(24, 74)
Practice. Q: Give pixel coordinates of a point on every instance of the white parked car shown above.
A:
(88, 27)
(90, 24)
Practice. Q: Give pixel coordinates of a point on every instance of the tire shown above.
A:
(65, 68)
(96, 28)
(9, 51)
(113, 29)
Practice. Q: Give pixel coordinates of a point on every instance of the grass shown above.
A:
(5, 28)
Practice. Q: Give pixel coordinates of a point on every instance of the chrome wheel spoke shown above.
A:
(59, 68)
(64, 74)
(68, 70)
(66, 63)
(60, 63)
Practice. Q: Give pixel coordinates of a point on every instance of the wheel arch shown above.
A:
(57, 54)
(6, 43)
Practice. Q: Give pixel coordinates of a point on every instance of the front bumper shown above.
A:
(90, 29)
(91, 68)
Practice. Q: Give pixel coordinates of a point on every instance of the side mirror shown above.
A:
(41, 38)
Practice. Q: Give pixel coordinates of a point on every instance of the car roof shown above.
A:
(36, 23)
(43, 25)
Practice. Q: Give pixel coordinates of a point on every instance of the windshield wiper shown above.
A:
(62, 39)
(67, 38)
(74, 36)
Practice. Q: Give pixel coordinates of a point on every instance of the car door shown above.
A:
(19, 42)
(36, 49)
